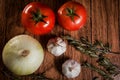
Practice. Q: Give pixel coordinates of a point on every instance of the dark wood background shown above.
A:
(103, 23)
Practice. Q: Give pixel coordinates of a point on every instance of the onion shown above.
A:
(23, 55)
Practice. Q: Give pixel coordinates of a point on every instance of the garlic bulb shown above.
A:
(71, 68)
(56, 46)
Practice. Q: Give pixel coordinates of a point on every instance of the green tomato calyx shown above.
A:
(71, 13)
(38, 16)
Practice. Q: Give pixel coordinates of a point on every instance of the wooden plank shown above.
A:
(86, 32)
(12, 11)
(117, 59)
(118, 77)
(113, 29)
(105, 25)
(2, 31)
(99, 25)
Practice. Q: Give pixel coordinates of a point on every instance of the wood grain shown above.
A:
(103, 23)
(2, 31)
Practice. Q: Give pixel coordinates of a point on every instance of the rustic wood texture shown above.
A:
(103, 23)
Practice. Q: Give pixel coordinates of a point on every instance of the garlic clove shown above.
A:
(58, 50)
(56, 46)
(71, 68)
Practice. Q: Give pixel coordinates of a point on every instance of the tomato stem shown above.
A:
(71, 13)
(38, 17)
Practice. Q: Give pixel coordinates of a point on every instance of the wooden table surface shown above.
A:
(103, 23)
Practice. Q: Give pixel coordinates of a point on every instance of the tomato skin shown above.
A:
(78, 21)
(40, 27)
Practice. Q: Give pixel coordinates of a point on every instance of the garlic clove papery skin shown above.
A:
(56, 46)
(71, 68)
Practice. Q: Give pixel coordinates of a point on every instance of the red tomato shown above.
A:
(38, 18)
(72, 15)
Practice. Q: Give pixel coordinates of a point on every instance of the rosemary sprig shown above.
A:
(111, 68)
(86, 47)
(101, 72)
(96, 50)
(82, 46)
